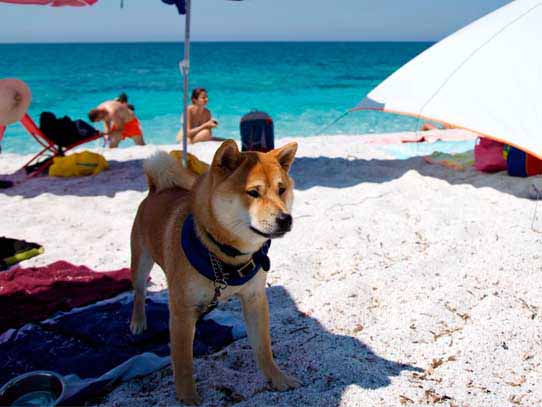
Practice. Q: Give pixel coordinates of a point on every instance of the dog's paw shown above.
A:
(190, 397)
(283, 382)
(137, 326)
(192, 400)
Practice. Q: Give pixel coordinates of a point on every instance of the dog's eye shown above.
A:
(282, 190)
(253, 193)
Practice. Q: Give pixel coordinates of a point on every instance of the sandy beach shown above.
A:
(402, 283)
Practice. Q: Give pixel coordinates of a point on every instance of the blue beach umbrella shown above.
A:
(183, 6)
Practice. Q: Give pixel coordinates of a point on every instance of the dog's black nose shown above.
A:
(284, 221)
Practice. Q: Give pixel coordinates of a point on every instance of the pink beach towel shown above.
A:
(34, 293)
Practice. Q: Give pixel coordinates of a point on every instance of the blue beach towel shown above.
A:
(92, 347)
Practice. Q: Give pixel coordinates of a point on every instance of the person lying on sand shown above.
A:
(200, 124)
(431, 126)
(120, 122)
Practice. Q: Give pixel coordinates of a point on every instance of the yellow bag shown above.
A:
(78, 164)
(194, 164)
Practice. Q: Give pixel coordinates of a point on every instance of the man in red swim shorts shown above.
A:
(120, 122)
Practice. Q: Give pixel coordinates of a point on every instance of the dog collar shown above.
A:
(226, 249)
(202, 259)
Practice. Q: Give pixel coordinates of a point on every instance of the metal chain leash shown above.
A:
(219, 282)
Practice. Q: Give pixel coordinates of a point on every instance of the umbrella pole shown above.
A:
(185, 68)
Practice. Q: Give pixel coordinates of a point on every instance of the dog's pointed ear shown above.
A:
(285, 155)
(227, 158)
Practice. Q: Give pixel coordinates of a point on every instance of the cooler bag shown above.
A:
(257, 132)
(521, 164)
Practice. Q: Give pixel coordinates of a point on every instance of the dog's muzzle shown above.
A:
(284, 225)
(284, 222)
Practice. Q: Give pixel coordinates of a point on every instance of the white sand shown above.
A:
(401, 282)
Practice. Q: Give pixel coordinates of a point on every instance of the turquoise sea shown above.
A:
(302, 85)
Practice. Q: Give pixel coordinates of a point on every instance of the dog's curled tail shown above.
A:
(164, 172)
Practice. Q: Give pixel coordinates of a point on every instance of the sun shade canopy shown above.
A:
(486, 77)
(183, 7)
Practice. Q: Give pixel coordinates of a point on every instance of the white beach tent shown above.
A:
(486, 77)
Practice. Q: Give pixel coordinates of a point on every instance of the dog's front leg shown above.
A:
(182, 325)
(256, 313)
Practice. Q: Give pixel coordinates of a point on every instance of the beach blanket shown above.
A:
(13, 251)
(34, 293)
(92, 347)
(457, 161)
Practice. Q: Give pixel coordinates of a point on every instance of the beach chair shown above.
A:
(54, 148)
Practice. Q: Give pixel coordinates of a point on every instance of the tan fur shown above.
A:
(163, 172)
(221, 205)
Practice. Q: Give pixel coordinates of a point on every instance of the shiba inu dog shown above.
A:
(210, 235)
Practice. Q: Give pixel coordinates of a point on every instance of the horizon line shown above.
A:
(213, 41)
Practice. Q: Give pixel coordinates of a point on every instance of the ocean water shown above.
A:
(303, 86)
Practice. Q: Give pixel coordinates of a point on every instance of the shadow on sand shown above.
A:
(308, 172)
(122, 176)
(340, 172)
(325, 362)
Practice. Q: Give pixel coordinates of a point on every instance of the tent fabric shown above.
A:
(93, 346)
(34, 293)
(485, 77)
(54, 3)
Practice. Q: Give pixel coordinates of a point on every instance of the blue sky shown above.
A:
(250, 20)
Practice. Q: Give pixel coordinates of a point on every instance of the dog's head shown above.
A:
(252, 193)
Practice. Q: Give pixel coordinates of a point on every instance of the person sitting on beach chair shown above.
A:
(120, 122)
(200, 123)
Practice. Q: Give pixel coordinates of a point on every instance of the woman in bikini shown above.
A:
(200, 123)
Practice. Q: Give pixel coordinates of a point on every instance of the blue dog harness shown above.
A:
(211, 267)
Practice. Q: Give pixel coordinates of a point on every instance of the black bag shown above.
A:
(84, 130)
(257, 132)
(64, 131)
